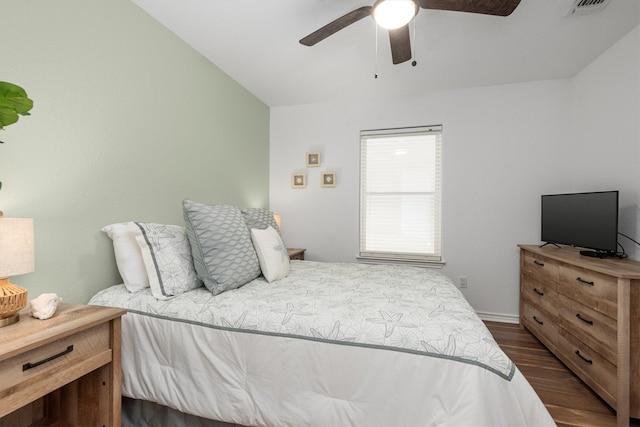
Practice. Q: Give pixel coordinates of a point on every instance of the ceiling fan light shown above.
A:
(392, 14)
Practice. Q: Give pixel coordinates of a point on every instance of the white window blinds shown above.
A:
(400, 171)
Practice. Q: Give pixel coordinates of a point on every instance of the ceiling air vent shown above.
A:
(587, 7)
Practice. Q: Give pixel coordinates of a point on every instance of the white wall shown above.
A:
(501, 150)
(503, 147)
(605, 148)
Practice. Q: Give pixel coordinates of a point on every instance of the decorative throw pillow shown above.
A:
(167, 259)
(274, 260)
(128, 255)
(223, 254)
(259, 218)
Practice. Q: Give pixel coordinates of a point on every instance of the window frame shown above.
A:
(426, 260)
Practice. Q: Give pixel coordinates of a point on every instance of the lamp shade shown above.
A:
(16, 246)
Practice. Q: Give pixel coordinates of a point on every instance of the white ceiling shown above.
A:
(256, 43)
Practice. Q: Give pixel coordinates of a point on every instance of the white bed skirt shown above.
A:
(142, 413)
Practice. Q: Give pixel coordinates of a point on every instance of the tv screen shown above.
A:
(586, 220)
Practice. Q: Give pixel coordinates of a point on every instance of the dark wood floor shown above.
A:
(569, 401)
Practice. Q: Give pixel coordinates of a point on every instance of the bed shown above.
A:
(327, 344)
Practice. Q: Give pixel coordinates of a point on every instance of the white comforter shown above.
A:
(330, 345)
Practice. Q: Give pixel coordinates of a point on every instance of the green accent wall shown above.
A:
(128, 121)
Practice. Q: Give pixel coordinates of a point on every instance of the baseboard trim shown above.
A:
(497, 317)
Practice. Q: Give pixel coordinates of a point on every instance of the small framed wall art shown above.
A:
(328, 179)
(313, 159)
(298, 180)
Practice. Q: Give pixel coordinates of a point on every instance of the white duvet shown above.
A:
(329, 345)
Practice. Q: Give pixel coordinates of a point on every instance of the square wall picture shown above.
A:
(313, 159)
(328, 179)
(298, 180)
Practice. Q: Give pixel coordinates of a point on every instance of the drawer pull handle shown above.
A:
(536, 262)
(589, 361)
(586, 282)
(538, 292)
(589, 322)
(540, 322)
(30, 365)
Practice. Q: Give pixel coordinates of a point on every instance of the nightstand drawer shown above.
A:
(33, 374)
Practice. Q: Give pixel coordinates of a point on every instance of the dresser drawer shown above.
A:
(542, 268)
(541, 295)
(590, 288)
(60, 361)
(590, 366)
(540, 324)
(591, 327)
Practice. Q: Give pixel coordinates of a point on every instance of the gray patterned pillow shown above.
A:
(259, 218)
(167, 258)
(223, 254)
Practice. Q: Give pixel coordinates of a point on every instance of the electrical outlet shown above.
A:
(462, 281)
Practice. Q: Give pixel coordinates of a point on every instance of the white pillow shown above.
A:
(272, 254)
(128, 255)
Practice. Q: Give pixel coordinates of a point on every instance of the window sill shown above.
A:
(412, 263)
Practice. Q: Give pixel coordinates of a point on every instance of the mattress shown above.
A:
(331, 344)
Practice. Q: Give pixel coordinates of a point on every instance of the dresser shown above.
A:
(586, 311)
(62, 371)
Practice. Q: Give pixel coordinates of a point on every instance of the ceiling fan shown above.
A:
(395, 16)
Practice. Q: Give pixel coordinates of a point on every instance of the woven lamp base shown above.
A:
(12, 299)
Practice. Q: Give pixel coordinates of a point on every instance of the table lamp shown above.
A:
(16, 257)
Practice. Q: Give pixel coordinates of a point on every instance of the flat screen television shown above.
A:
(585, 220)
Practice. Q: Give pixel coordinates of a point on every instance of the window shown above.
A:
(400, 190)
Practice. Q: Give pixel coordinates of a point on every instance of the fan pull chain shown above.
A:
(415, 41)
(375, 75)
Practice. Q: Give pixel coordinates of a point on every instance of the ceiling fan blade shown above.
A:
(400, 44)
(337, 25)
(487, 7)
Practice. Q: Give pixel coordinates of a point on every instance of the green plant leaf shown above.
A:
(8, 114)
(9, 89)
(21, 105)
(13, 102)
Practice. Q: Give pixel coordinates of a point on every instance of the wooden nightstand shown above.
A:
(296, 253)
(65, 370)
